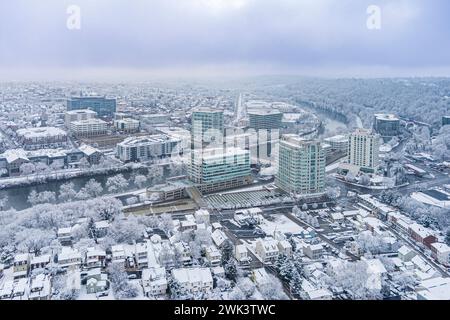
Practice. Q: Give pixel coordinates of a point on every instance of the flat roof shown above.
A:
(386, 116)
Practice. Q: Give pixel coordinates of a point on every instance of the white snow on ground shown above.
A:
(281, 223)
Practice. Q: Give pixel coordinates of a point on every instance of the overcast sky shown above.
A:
(232, 37)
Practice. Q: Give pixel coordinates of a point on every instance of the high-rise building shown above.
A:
(103, 106)
(220, 169)
(364, 149)
(387, 125)
(301, 166)
(204, 121)
(265, 119)
(267, 124)
(446, 120)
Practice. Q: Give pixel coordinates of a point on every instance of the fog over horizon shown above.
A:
(139, 40)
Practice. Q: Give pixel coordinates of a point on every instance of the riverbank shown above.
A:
(62, 175)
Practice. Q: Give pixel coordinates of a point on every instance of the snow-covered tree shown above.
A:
(364, 180)
(166, 223)
(116, 183)
(155, 173)
(140, 180)
(273, 289)
(33, 240)
(93, 188)
(120, 284)
(126, 230)
(35, 198)
(27, 168)
(67, 192)
(3, 202)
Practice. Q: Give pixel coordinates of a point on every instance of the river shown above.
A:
(17, 196)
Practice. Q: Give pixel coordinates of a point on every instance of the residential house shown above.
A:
(267, 250)
(69, 258)
(219, 238)
(101, 228)
(313, 251)
(96, 281)
(154, 281)
(241, 255)
(40, 262)
(187, 225)
(284, 247)
(118, 254)
(193, 280)
(183, 253)
(20, 265)
(95, 258)
(213, 256)
(20, 291)
(6, 290)
(406, 253)
(65, 236)
(40, 288)
(141, 255)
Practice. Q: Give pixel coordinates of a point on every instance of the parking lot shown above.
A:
(246, 199)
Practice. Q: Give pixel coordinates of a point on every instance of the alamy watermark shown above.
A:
(374, 19)
(74, 17)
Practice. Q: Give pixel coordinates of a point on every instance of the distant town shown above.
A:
(260, 189)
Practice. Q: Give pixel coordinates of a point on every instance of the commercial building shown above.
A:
(42, 137)
(103, 106)
(78, 115)
(127, 125)
(89, 128)
(206, 124)
(219, 169)
(338, 143)
(387, 125)
(364, 149)
(148, 148)
(265, 119)
(301, 166)
(266, 123)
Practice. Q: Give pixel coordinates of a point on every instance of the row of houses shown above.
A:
(423, 236)
(68, 258)
(36, 288)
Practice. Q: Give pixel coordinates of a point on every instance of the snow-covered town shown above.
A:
(125, 211)
(148, 162)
